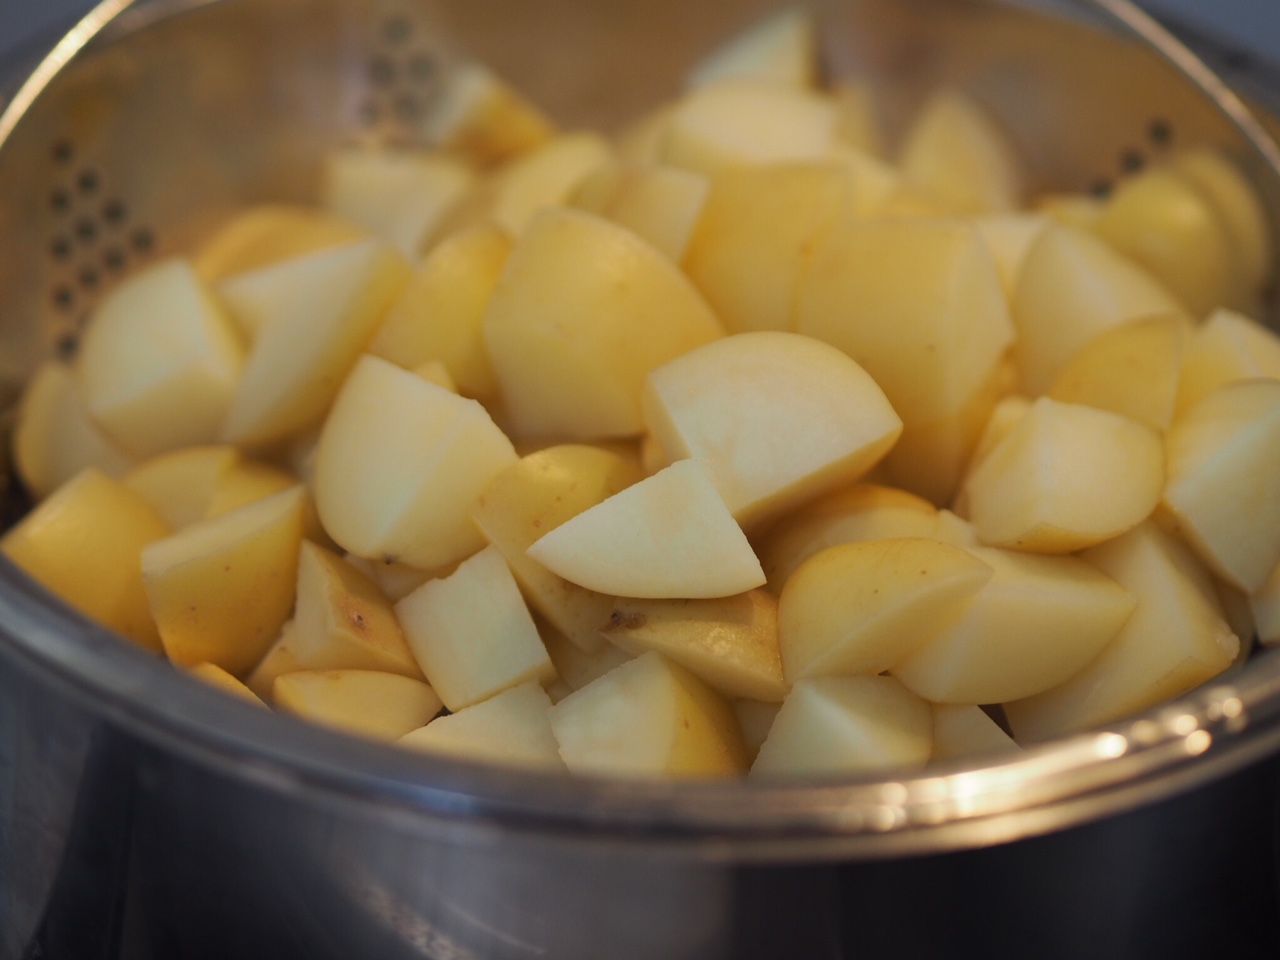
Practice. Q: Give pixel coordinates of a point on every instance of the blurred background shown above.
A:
(1252, 27)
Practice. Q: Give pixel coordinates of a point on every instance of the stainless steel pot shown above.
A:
(143, 815)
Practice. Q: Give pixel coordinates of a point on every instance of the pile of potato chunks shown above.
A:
(725, 445)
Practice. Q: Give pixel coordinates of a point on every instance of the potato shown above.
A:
(511, 728)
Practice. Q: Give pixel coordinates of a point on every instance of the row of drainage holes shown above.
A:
(1159, 135)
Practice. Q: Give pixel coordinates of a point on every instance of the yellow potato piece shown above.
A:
(366, 703)
(221, 589)
(483, 119)
(730, 642)
(584, 310)
(342, 621)
(440, 313)
(859, 608)
(757, 233)
(1133, 370)
(84, 543)
(660, 204)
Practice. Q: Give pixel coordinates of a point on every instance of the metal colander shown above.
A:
(142, 811)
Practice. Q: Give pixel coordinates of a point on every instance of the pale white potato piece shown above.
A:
(1066, 477)
(776, 418)
(365, 703)
(1133, 369)
(756, 235)
(1072, 287)
(846, 725)
(1223, 456)
(583, 312)
(964, 730)
(660, 204)
(781, 49)
(221, 589)
(471, 632)
(534, 496)
(730, 642)
(401, 463)
(160, 362)
(1160, 220)
(342, 621)
(54, 437)
(481, 117)
(954, 152)
(313, 316)
(1175, 640)
(544, 177)
(198, 483)
(439, 314)
(863, 511)
(1228, 346)
(670, 535)
(859, 608)
(738, 122)
(402, 195)
(266, 233)
(649, 718)
(84, 544)
(1036, 622)
(918, 304)
(511, 728)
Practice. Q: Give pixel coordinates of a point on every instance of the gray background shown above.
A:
(1253, 24)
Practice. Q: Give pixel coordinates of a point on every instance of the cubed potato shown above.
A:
(472, 634)
(221, 589)
(534, 496)
(649, 718)
(1066, 477)
(776, 418)
(84, 543)
(512, 728)
(668, 536)
(730, 642)
(1175, 640)
(831, 726)
(583, 312)
(1038, 621)
(860, 608)
(365, 703)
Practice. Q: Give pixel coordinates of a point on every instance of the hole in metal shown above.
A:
(64, 298)
(114, 212)
(407, 108)
(1160, 132)
(397, 29)
(88, 181)
(86, 230)
(88, 278)
(60, 201)
(67, 346)
(1131, 161)
(143, 240)
(63, 151)
(113, 258)
(60, 249)
(422, 67)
